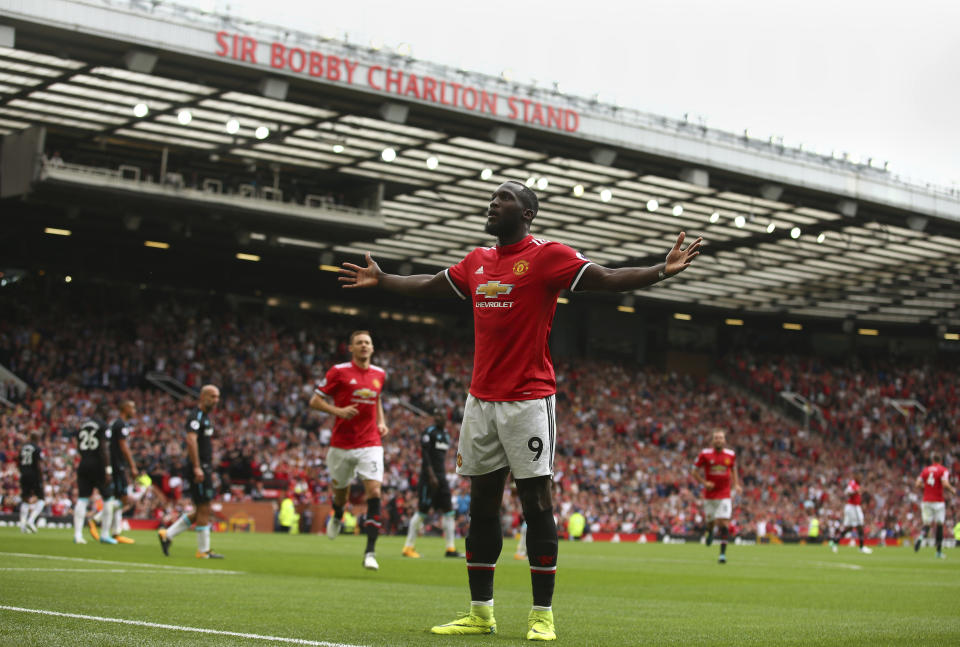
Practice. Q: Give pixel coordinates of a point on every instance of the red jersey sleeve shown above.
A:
(700, 460)
(457, 275)
(566, 266)
(328, 384)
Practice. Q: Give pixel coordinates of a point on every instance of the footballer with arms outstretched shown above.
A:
(719, 477)
(508, 423)
(355, 447)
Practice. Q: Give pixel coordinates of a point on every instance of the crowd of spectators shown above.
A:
(628, 434)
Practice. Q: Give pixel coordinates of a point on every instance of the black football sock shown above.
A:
(372, 524)
(724, 534)
(939, 537)
(484, 543)
(710, 536)
(337, 512)
(860, 535)
(542, 548)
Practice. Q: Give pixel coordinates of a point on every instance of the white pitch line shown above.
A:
(852, 567)
(199, 630)
(182, 569)
(98, 571)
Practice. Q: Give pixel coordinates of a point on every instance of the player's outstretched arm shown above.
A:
(623, 279)
(417, 285)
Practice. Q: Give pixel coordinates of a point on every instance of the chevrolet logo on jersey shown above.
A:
(365, 394)
(493, 289)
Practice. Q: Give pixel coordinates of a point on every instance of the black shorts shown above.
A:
(200, 492)
(437, 498)
(118, 484)
(31, 485)
(89, 477)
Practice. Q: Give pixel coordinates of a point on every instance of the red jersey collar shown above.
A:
(514, 247)
(358, 367)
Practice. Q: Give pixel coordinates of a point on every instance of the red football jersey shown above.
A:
(717, 469)
(853, 492)
(514, 290)
(349, 384)
(933, 477)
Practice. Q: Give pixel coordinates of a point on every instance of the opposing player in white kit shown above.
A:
(355, 447)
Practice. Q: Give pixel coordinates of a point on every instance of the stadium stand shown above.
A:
(629, 432)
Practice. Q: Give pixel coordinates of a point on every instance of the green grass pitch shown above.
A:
(312, 589)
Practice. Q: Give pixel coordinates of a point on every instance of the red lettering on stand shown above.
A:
(394, 79)
(370, 71)
(222, 42)
(430, 88)
(248, 48)
(277, 55)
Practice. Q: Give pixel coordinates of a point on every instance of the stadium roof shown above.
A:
(773, 246)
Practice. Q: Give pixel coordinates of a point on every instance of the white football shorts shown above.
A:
(714, 509)
(933, 511)
(344, 464)
(852, 515)
(519, 434)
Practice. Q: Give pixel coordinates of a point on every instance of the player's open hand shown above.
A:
(347, 412)
(198, 475)
(354, 276)
(383, 429)
(679, 259)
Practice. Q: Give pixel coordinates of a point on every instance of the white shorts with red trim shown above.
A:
(714, 509)
(933, 511)
(519, 434)
(344, 464)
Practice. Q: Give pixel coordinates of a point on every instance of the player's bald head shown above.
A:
(209, 396)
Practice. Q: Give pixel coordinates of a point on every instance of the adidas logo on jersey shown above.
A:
(353, 380)
(479, 270)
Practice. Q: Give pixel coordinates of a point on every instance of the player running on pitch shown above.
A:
(935, 478)
(433, 490)
(120, 458)
(198, 472)
(719, 476)
(30, 460)
(852, 515)
(355, 447)
(508, 421)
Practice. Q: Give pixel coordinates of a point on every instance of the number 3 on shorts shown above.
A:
(535, 445)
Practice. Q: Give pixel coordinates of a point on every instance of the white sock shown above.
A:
(203, 539)
(449, 530)
(35, 510)
(106, 519)
(522, 542)
(117, 518)
(416, 523)
(79, 516)
(178, 526)
(24, 509)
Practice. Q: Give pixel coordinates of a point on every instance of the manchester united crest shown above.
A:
(376, 383)
(521, 267)
(459, 460)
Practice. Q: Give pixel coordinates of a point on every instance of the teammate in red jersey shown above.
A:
(355, 448)
(852, 515)
(934, 479)
(508, 421)
(719, 466)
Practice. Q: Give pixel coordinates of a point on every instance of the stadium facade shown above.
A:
(212, 136)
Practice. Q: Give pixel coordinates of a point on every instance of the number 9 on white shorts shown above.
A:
(519, 434)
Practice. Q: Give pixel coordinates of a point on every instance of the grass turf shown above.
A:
(307, 587)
